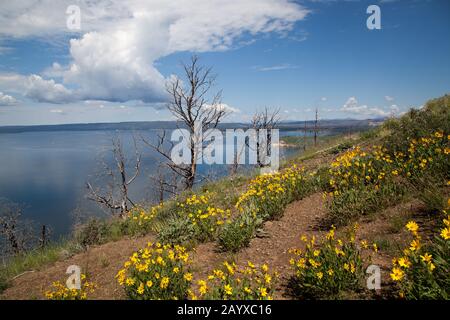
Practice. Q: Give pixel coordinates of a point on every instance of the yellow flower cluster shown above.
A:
(357, 168)
(204, 217)
(372, 166)
(267, 194)
(423, 153)
(330, 265)
(141, 216)
(156, 272)
(233, 283)
(422, 270)
(404, 262)
(61, 292)
(445, 232)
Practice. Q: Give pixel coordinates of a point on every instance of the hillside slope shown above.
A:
(318, 223)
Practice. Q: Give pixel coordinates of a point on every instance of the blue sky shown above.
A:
(267, 53)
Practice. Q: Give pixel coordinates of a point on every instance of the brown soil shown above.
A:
(299, 219)
(101, 263)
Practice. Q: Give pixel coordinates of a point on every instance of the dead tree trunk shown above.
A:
(316, 127)
(18, 234)
(304, 138)
(191, 107)
(115, 197)
(268, 120)
(44, 239)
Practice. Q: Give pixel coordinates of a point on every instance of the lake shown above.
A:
(46, 172)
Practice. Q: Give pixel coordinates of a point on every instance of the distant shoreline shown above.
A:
(333, 124)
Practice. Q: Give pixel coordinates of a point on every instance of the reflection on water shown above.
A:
(46, 172)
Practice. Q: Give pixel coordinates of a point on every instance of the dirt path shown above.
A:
(279, 236)
(299, 219)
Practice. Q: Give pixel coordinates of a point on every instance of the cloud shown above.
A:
(275, 67)
(41, 90)
(224, 107)
(352, 106)
(389, 98)
(7, 100)
(37, 88)
(113, 57)
(12, 82)
(5, 50)
(55, 71)
(59, 111)
(394, 108)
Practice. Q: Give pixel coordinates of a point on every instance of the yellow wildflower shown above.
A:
(397, 274)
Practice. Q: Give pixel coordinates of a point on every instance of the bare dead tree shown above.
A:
(165, 182)
(316, 127)
(267, 119)
(114, 196)
(44, 238)
(304, 137)
(18, 235)
(233, 168)
(193, 108)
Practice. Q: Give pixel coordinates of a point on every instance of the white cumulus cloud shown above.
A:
(113, 58)
(7, 100)
(352, 106)
(224, 107)
(42, 90)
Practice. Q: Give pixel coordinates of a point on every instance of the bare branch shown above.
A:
(115, 195)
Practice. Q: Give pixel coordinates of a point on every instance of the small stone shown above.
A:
(64, 254)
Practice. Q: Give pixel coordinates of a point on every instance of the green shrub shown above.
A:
(3, 283)
(177, 231)
(370, 134)
(341, 147)
(435, 116)
(356, 202)
(428, 189)
(95, 231)
(320, 180)
(238, 233)
(195, 220)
